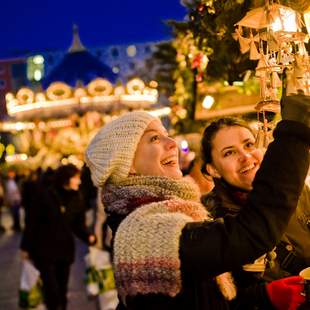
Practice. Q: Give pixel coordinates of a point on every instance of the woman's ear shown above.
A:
(212, 171)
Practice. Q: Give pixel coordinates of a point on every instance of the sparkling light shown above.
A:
(131, 51)
(115, 69)
(38, 60)
(161, 112)
(208, 102)
(184, 146)
(37, 75)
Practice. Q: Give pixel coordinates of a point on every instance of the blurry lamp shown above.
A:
(37, 75)
(38, 60)
(184, 146)
(207, 102)
(23, 156)
(19, 126)
(161, 112)
(115, 69)
(131, 51)
(153, 84)
(10, 149)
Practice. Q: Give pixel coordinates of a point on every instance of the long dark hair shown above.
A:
(209, 133)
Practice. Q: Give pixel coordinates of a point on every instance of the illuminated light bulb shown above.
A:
(153, 84)
(131, 50)
(119, 90)
(9, 97)
(160, 112)
(37, 75)
(10, 149)
(19, 126)
(208, 102)
(40, 97)
(184, 146)
(115, 69)
(23, 156)
(38, 60)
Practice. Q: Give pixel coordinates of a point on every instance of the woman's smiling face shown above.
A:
(157, 153)
(235, 157)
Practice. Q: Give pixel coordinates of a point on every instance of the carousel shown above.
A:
(54, 124)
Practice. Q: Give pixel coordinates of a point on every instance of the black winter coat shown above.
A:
(51, 222)
(226, 200)
(209, 249)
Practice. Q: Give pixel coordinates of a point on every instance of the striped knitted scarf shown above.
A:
(146, 245)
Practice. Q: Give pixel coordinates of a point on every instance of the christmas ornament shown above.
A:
(273, 35)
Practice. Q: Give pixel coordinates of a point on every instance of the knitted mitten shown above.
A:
(285, 294)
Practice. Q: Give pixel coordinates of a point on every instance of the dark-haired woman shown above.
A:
(231, 157)
(57, 214)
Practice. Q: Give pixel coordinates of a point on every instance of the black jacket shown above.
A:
(226, 200)
(208, 249)
(51, 222)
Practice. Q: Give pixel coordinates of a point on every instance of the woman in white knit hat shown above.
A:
(167, 252)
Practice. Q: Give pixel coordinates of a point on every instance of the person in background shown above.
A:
(231, 157)
(28, 187)
(168, 253)
(13, 198)
(51, 222)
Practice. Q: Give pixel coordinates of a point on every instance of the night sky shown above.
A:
(43, 25)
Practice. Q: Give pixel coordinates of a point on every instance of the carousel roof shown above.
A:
(78, 66)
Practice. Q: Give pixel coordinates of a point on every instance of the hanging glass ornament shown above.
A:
(273, 35)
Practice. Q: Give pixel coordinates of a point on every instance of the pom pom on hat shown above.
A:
(111, 152)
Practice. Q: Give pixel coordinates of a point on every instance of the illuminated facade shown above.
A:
(61, 100)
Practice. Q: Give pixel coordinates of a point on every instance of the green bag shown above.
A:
(30, 288)
(99, 281)
(31, 299)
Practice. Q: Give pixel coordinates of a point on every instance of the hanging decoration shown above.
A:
(272, 34)
(200, 62)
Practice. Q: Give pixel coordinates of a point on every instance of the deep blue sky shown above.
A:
(47, 24)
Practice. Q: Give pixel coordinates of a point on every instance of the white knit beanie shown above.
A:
(111, 152)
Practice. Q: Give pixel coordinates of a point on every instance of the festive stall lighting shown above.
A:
(10, 149)
(18, 126)
(38, 60)
(161, 112)
(60, 99)
(37, 75)
(208, 102)
(15, 158)
(131, 50)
